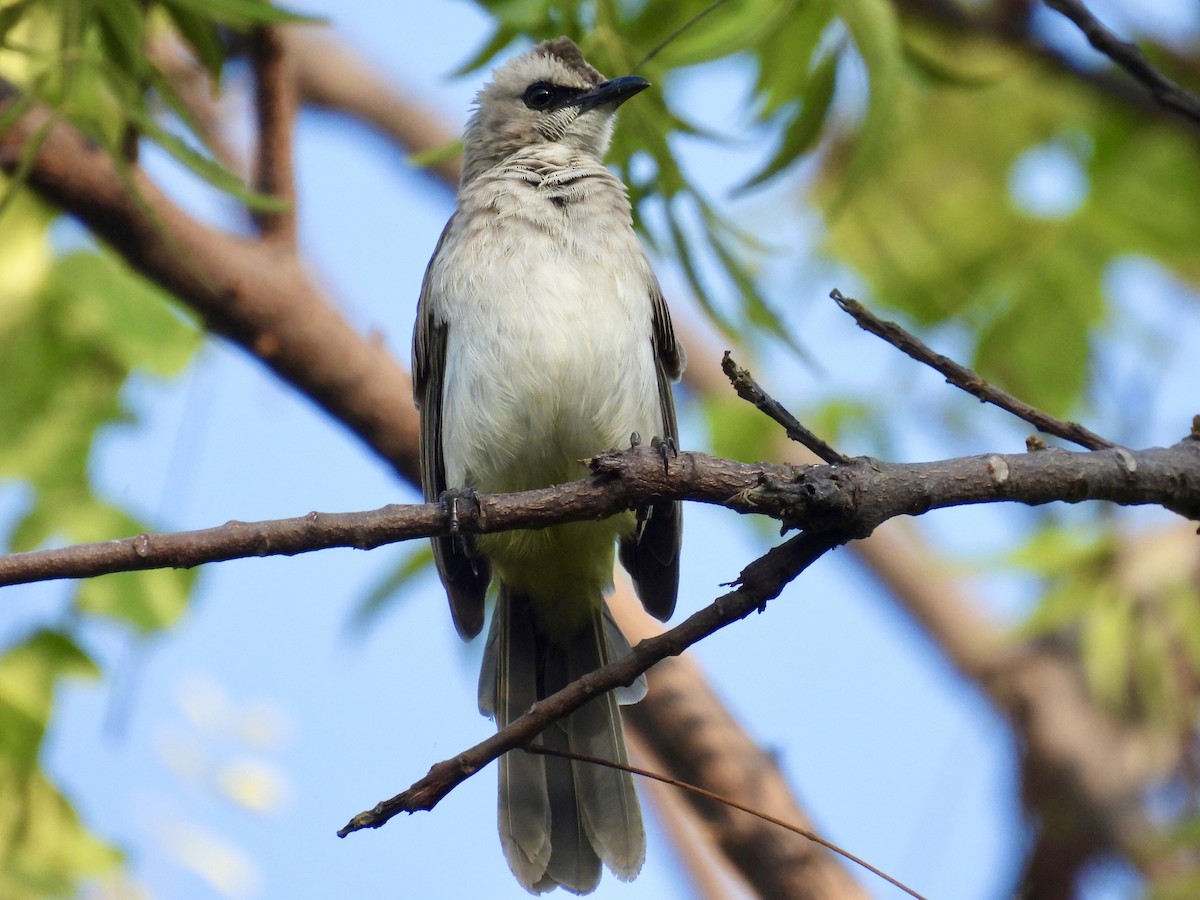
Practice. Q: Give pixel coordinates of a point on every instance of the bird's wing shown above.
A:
(464, 573)
(652, 556)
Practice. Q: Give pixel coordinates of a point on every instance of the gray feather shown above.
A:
(560, 818)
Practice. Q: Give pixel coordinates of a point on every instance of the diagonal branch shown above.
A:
(967, 379)
(246, 290)
(760, 582)
(751, 391)
(1127, 55)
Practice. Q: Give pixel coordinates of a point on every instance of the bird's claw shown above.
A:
(449, 502)
(666, 449)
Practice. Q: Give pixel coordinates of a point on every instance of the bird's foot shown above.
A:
(666, 449)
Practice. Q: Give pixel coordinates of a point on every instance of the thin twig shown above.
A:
(658, 48)
(276, 100)
(675, 782)
(761, 581)
(750, 390)
(1127, 55)
(967, 379)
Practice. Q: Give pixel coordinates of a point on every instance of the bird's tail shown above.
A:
(559, 818)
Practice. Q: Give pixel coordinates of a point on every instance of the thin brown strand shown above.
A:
(661, 45)
(702, 792)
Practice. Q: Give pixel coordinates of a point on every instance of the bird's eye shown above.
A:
(539, 95)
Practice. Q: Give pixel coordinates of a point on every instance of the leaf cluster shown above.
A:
(92, 63)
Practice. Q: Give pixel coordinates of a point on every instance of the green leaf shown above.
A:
(207, 168)
(10, 15)
(29, 674)
(875, 30)
(48, 852)
(133, 322)
(122, 28)
(437, 155)
(203, 36)
(241, 14)
(805, 127)
(150, 600)
(785, 56)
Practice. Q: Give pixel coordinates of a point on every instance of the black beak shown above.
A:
(616, 92)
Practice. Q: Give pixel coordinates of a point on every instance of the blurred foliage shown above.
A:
(1131, 605)
(44, 849)
(73, 327)
(90, 62)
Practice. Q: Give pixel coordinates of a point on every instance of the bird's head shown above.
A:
(550, 95)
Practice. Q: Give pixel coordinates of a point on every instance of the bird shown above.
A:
(542, 338)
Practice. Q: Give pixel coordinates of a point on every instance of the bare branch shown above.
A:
(276, 99)
(1127, 55)
(688, 729)
(858, 496)
(967, 379)
(750, 390)
(760, 582)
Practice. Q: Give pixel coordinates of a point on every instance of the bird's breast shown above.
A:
(549, 355)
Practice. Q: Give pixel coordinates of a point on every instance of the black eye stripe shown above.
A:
(542, 95)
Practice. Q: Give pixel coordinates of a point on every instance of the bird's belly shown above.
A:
(558, 366)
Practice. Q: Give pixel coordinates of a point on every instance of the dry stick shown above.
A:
(761, 581)
(967, 379)
(276, 102)
(1127, 55)
(727, 801)
(750, 390)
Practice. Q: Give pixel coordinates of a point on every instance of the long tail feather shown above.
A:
(560, 818)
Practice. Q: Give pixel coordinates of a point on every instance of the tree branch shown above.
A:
(750, 390)
(857, 496)
(967, 379)
(760, 582)
(243, 289)
(276, 101)
(1127, 55)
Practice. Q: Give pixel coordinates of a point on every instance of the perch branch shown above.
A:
(859, 495)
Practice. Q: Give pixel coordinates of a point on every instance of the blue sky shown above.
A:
(261, 694)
